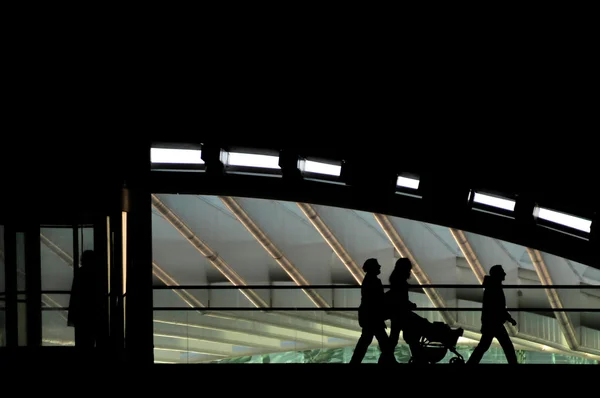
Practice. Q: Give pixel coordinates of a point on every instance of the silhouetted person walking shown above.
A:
(371, 313)
(493, 318)
(85, 302)
(400, 309)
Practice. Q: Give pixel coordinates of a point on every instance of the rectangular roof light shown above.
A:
(407, 182)
(253, 160)
(494, 201)
(322, 168)
(565, 219)
(176, 156)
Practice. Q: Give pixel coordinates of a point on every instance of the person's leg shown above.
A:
(395, 333)
(482, 347)
(412, 337)
(387, 350)
(507, 346)
(365, 340)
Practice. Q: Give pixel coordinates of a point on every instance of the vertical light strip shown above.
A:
(124, 260)
(108, 264)
(124, 246)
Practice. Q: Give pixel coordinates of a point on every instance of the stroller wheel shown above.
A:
(457, 361)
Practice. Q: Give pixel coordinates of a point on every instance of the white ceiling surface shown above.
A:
(295, 237)
(360, 239)
(359, 233)
(225, 235)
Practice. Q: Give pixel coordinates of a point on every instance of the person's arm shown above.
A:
(511, 319)
(507, 316)
(409, 305)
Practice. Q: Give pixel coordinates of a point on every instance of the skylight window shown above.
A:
(175, 156)
(322, 168)
(253, 160)
(565, 219)
(407, 182)
(494, 201)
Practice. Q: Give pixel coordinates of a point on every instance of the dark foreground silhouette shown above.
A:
(86, 301)
(429, 342)
(370, 314)
(493, 317)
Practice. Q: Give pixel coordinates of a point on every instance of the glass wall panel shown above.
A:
(265, 281)
(57, 258)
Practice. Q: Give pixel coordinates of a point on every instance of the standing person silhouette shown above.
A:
(85, 302)
(493, 317)
(371, 313)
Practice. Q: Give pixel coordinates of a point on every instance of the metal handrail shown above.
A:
(296, 287)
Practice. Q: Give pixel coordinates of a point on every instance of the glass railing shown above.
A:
(282, 324)
(55, 329)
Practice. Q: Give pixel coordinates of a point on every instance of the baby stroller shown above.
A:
(435, 341)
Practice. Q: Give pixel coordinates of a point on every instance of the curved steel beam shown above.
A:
(332, 241)
(436, 299)
(273, 251)
(207, 252)
(186, 296)
(566, 326)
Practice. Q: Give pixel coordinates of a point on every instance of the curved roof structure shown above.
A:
(269, 245)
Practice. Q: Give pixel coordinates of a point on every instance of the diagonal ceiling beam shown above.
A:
(332, 241)
(467, 250)
(563, 319)
(168, 280)
(66, 257)
(270, 247)
(436, 299)
(207, 252)
(46, 299)
(473, 261)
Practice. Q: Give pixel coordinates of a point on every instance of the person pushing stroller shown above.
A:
(418, 332)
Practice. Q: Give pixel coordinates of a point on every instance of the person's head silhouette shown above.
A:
(401, 272)
(371, 266)
(497, 273)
